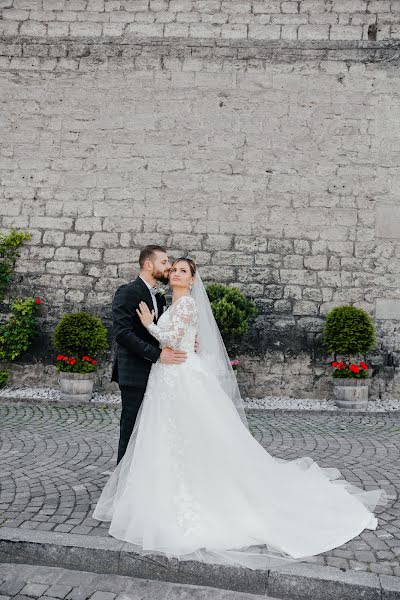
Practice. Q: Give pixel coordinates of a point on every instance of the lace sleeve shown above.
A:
(182, 315)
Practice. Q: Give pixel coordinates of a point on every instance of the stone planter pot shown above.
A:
(76, 387)
(351, 393)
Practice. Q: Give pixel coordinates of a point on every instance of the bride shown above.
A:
(195, 484)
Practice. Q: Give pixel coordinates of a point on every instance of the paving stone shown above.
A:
(103, 596)
(79, 593)
(51, 488)
(12, 588)
(58, 591)
(34, 589)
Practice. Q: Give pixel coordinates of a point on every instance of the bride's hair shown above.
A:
(189, 261)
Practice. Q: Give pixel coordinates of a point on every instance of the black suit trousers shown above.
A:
(132, 398)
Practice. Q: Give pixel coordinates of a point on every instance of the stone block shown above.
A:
(387, 308)
(232, 258)
(66, 253)
(105, 240)
(88, 224)
(51, 223)
(73, 239)
(90, 255)
(86, 29)
(318, 262)
(388, 221)
(264, 32)
(313, 32)
(299, 277)
(61, 267)
(176, 30)
(343, 32)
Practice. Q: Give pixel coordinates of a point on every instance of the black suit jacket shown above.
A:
(137, 350)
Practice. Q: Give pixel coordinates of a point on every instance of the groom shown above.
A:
(137, 350)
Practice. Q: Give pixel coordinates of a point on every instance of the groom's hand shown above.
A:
(172, 357)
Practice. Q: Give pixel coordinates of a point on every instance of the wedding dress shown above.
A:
(195, 484)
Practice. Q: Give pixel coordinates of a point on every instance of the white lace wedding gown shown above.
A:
(194, 483)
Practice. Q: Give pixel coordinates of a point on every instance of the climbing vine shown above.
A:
(16, 333)
(9, 245)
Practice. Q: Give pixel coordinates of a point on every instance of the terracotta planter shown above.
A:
(351, 393)
(76, 387)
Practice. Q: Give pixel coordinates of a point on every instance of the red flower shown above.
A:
(363, 365)
(94, 362)
(85, 357)
(354, 369)
(66, 358)
(341, 365)
(334, 364)
(72, 361)
(38, 301)
(60, 357)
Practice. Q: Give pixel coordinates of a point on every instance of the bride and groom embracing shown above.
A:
(191, 481)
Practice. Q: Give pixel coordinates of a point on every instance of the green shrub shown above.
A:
(4, 375)
(9, 244)
(80, 334)
(16, 334)
(348, 331)
(231, 309)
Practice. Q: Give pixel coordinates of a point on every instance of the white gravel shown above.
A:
(268, 403)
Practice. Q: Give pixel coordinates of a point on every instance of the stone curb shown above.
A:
(275, 411)
(300, 581)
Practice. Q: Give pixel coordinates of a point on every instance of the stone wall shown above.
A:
(272, 160)
(214, 19)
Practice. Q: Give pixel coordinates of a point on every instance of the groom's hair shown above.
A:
(148, 252)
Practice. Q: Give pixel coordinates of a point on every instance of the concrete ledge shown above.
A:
(300, 581)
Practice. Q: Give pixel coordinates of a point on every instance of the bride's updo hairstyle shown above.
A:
(189, 261)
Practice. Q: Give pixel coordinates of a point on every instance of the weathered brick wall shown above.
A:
(274, 164)
(226, 19)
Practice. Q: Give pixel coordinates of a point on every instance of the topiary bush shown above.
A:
(79, 337)
(348, 331)
(231, 308)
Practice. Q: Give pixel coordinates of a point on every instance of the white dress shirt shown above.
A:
(152, 297)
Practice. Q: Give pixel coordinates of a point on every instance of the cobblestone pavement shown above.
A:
(24, 582)
(56, 460)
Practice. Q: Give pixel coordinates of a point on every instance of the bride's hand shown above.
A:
(145, 315)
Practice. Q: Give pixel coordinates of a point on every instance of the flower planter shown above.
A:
(76, 387)
(351, 393)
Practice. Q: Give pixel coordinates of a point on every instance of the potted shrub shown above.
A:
(349, 334)
(79, 339)
(232, 311)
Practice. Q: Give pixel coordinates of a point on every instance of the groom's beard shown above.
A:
(161, 276)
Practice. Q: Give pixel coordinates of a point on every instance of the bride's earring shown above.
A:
(190, 287)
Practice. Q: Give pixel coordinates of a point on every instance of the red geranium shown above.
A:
(66, 358)
(94, 362)
(86, 358)
(341, 365)
(38, 301)
(60, 357)
(354, 369)
(363, 365)
(334, 364)
(72, 361)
